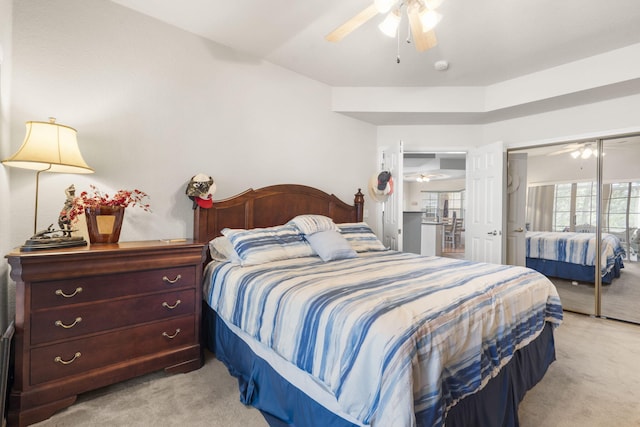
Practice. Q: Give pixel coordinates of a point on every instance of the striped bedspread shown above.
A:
(574, 248)
(390, 334)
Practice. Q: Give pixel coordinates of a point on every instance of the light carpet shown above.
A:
(594, 382)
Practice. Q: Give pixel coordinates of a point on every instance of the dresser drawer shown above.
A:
(94, 288)
(81, 355)
(75, 320)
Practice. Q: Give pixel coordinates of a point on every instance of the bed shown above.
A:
(379, 338)
(571, 256)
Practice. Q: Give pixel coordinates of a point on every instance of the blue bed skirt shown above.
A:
(577, 272)
(283, 405)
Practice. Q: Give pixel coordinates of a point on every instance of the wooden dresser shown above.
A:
(92, 316)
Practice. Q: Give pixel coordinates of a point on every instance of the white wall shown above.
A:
(589, 120)
(594, 119)
(154, 105)
(6, 305)
(603, 118)
(432, 137)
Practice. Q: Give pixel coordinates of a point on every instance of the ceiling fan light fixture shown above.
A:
(389, 26)
(432, 4)
(384, 6)
(587, 153)
(429, 18)
(576, 154)
(419, 32)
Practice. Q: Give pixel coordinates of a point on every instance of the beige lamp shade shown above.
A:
(50, 147)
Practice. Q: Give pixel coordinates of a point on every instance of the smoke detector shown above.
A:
(441, 65)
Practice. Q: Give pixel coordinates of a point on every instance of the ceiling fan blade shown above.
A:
(555, 153)
(353, 23)
(428, 40)
(566, 149)
(433, 4)
(422, 40)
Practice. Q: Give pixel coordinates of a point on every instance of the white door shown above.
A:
(483, 229)
(392, 160)
(516, 208)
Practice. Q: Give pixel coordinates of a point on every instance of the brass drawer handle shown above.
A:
(77, 291)
(59, 323)
(171, 307)
(166, 279)
(58, 359)
(164, 334)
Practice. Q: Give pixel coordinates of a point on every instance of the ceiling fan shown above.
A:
(567, 149)
(422, 16)
(582, 150)
(427, 177)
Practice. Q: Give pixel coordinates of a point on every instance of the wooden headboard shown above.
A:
(269, 206)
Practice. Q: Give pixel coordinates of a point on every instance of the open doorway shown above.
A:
(434, 203)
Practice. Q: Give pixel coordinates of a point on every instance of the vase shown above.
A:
(104, 223)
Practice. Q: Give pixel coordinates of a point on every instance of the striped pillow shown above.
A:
(361, 237)
(260, 245)
(311, 224)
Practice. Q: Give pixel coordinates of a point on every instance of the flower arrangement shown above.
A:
(95, 199)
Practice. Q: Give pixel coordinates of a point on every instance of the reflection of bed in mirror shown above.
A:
(571, 256)
(341, 317)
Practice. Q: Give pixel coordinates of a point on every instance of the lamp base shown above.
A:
(41, 243)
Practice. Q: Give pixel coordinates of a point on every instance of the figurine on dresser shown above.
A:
(50, 238)
(64, 220)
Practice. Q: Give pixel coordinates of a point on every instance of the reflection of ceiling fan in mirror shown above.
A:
(566, 149)
(422, 16)
(582, 150)
(426, 177)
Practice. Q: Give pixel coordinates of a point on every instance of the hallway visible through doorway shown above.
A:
(457, 253)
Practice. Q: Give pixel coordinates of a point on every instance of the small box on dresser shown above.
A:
(93, 316)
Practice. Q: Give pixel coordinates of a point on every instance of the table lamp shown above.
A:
(49, 147)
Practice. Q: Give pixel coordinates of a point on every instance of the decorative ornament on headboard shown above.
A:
(200, 190)
(381, 186)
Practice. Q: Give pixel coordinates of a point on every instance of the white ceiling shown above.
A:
(485, 41)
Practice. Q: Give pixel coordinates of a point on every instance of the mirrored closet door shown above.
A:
(580, 196)
(620, 221)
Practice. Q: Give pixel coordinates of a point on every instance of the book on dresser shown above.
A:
(93, 316)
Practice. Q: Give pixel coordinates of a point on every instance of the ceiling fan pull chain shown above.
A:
(398, 51)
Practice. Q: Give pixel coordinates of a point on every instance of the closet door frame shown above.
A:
(599, 212)
(600, 164)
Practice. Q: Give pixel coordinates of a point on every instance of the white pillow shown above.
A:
(221, 249)
(260, 245)
(330, 245)
(310, 224)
